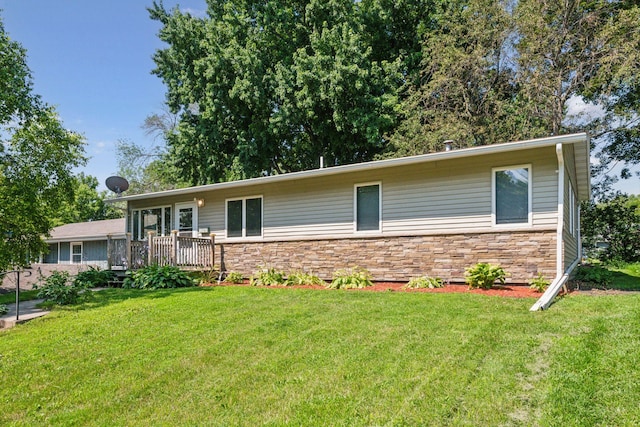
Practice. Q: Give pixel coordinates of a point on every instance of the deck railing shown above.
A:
(188, 253)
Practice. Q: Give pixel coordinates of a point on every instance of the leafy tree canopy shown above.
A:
(37, 155)
(87, 204)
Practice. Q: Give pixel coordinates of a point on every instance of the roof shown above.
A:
(92, 230)
(579, 140)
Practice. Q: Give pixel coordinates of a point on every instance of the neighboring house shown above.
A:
(84, 243)
(513, 204)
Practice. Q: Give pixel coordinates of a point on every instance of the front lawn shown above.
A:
(255, 356)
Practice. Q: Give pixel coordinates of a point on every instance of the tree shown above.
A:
(615, 222)
(466, 90)
(37, 156)
(87, 204)
(265, 87)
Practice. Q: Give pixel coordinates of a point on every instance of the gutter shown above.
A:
(561, 276)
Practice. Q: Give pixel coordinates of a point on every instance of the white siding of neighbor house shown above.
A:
(429, 198)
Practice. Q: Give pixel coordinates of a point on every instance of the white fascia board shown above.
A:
(379, 164)
(84, 238)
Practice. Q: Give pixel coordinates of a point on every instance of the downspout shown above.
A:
(561, 275)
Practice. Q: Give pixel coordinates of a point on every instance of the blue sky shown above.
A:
(92, 60)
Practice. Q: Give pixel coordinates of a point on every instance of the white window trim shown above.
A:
(176, 217)
(162, 225)
(529, 222)
(71, 245)
(355, 207)
(244, 217)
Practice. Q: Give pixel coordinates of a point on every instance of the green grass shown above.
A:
(10, 297)
(256, 356)
(626, 277)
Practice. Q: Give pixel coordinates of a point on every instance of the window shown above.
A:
(157, 220)
(367, 207)
(76, 253)
(244, 217)
(512, 195)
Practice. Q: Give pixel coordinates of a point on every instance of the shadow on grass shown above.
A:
(110, 296)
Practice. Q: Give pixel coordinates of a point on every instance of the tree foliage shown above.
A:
(265, 87)
(615, 222)
(87, 203)
(37, 156)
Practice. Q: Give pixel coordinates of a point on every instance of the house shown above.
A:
(84, 243)
(514, 204)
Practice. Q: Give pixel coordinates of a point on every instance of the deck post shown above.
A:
(109, 250)
(150, 242)
(212, 236)
(127, 250)
(174, 248)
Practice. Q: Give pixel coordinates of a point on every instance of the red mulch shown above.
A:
(516, 291)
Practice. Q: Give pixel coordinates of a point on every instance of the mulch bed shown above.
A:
(516, 291)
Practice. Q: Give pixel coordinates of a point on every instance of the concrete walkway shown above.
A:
(28, 311)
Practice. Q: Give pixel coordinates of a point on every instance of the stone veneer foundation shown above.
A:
(522, 254)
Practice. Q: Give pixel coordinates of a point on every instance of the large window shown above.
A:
(244, 217)
(157, 220)
(512, 195)
(367, 207)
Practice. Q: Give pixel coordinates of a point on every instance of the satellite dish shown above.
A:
(117, 184)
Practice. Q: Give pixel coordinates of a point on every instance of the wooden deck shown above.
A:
(187, 253)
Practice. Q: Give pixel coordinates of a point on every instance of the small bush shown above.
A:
(351, 278)
(60, 289)
(205, 277)
(94, 277)
(299, 278)
(484, 276)
(539, 284)
(3, 309)
(424, 282)
(594, 275)
(158, 277)
(234, 277)
(267, 277)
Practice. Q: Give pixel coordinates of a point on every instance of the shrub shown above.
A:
(539, 283)
(593, 274)
(234, 277)
(60, 289)
(94, 277)
(424, 282)
(158, 277)
(351, 278)
(484, 276)
(298, 277)
(205, 277)
(3, 309)
(267, 277)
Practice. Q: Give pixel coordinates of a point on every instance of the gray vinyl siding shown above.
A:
(570, 240)
(65, 252)
(432, 197)
(52, 256)
(94, 251)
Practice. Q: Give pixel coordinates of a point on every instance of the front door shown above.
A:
(187, 219)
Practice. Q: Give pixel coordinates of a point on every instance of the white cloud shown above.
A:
(579, 111)
(198, 13)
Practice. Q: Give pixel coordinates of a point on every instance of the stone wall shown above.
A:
(522, 254)
(37, 271)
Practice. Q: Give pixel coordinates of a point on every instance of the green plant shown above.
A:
(205, 277)
(424, 282)
(267, 277)
(94, 277)
(60, 289)
(593, 274)
(351, 278)
(158, 277)
(299, 277)
(3, 309)
(234, 277)
(484, 275)
(539, 283)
